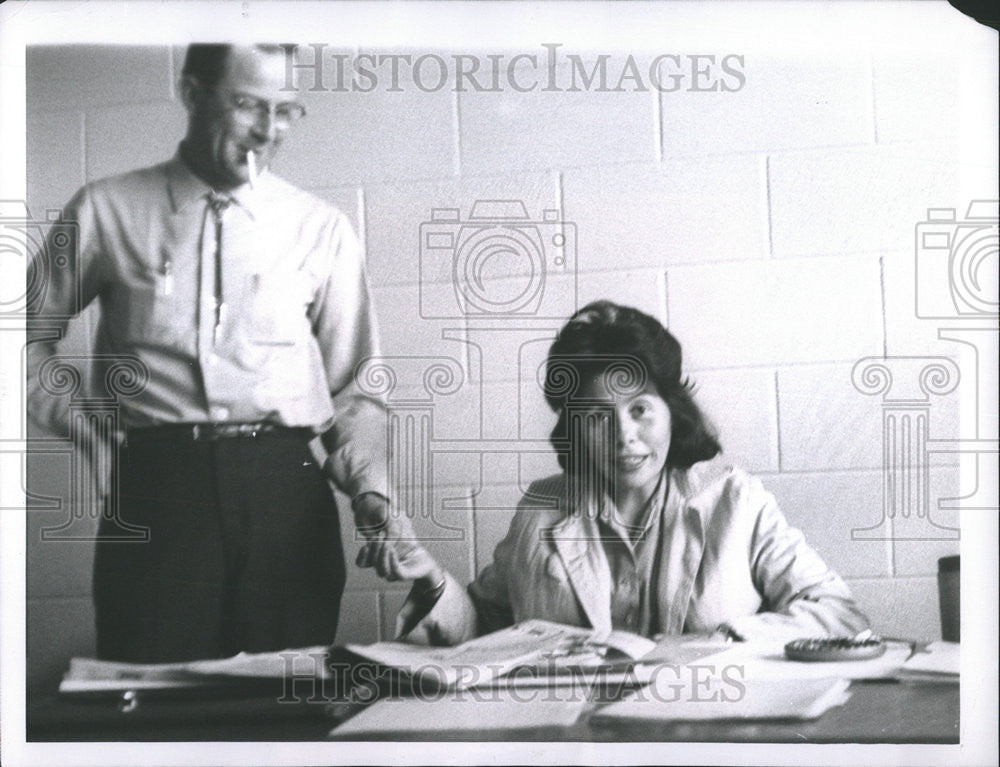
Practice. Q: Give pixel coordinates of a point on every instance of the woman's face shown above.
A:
(626, 436)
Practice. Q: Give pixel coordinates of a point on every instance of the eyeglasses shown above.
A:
(249, 110)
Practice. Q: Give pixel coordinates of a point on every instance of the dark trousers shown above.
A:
(244, 551)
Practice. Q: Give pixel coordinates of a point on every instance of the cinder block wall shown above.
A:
(771, 228)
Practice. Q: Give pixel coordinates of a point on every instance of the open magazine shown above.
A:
(534, 646)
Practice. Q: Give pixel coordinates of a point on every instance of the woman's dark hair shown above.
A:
(628, 347)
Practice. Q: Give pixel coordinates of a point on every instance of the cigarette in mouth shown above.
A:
(252, 169)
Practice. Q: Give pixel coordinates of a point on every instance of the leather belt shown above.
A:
(208, 432)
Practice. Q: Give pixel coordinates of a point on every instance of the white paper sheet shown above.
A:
(470, 710)
(760, 660)
(718, 698)
(939, 662)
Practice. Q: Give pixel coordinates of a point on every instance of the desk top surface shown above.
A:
(877, 712)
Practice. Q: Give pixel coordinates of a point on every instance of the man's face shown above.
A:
(242, 113)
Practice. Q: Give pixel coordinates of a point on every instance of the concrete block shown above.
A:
(507, 130)
(683, 211)
(360, 138)
(461, 468)
(741, 405)
(60, 567)
(86, 76)
(543, 463)
(788, 101)
(405, 332)
(944, 279)
(920, 541)
(455, 415)
(447, 533)
(826, 507)
(390, 603)
(124, 138)
(827, 423)
(857, 199)
(57, 630)
(905, 331)
(643, 289)
(350, 202)
(359, 623)
(55, 158)
(900, 607)
(48, 475)
(512, 348)
(759, 313)
(396, 213)
(531, 361)
(916, 95)
(494, 512)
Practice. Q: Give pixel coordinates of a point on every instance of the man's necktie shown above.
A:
(218, 203)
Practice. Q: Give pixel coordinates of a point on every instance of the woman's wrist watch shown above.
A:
(429, 588)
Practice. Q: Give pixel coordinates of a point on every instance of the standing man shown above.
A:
(247, 302)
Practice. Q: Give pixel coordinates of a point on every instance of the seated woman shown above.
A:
(646, 529)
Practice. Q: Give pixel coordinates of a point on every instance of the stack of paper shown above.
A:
(469, 710)
(939, 662)
(90, 675)
(688, 697)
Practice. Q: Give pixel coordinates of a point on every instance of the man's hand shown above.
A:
(392, 547)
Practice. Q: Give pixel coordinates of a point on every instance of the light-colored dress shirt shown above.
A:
(729, 557)
(634, 555)
(296, 315)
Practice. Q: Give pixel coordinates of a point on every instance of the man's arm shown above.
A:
(64, 277)
(345, 326)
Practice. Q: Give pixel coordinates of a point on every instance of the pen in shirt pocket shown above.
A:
(168, 276)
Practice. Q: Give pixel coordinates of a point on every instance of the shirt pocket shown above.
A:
(278, 308)
(153, 316)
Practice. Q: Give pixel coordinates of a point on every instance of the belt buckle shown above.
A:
(196, 432)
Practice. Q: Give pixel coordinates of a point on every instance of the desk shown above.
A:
(877, 712)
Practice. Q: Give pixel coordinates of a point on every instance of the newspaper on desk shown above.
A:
(523, 645)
